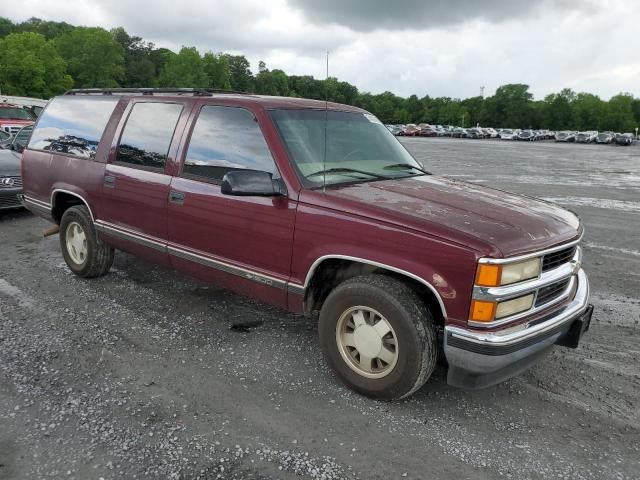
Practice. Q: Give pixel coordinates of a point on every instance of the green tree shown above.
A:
(139, 69)
(31, 66)
(556, 110)
(414, 108)
(217, 70)
(240, 71)
(94, 58)
(306, 86)
(6, 27)
(475, 107)
(511, 106)
(45, 27)
(636, 111)
(587, 112)
(453, 113)
(619, 114)
(273, 82)
(185, 69)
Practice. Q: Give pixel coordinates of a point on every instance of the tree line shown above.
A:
(40, 58)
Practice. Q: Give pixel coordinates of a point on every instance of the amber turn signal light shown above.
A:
(488, 275)
(482, 311)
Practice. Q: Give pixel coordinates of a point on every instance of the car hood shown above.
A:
(9, 163)
(504, 224)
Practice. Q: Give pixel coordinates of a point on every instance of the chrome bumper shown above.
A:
(479, 359)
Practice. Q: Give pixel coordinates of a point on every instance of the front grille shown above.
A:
(10, 201)
(551, 292)
(13, 182)
(12, 129)
(555, 259)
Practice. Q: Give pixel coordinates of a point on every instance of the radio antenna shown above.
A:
(326, 124)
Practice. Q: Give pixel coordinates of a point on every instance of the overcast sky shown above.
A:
(434, 47)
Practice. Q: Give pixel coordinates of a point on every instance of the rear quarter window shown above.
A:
(73, 125)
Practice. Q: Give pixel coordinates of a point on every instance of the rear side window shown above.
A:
(224, 139)
(147, 135)
(73, 125)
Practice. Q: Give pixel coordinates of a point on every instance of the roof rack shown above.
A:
(196, 92)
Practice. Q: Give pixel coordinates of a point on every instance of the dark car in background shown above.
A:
(475, 133)
(427, 131)
(565, 136)
(586, 137)
(10, 179)
(625, 139)
(527, 135)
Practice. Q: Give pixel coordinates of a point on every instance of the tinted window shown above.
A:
(73, 125)
(14, 113)
(223, 139)
(147, 134)
(22, 137)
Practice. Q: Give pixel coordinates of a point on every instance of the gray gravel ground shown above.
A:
(138, 374)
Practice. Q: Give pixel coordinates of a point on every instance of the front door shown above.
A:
(243, 242)
(135, 186)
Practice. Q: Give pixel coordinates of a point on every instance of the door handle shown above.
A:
(176, 197)
(109, 181)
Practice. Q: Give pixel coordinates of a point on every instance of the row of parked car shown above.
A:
(426, 130)
(596, 137)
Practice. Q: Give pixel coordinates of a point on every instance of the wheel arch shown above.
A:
(329, 271)
(62, 199)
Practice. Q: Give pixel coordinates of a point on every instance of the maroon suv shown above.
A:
(314, 208)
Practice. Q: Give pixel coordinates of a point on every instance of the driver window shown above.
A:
(224, 139)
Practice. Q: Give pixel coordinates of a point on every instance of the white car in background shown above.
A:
(508, 134)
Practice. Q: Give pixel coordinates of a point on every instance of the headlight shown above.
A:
(490, 275)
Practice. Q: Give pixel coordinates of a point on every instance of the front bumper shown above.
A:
(480, 359)
(10, 198)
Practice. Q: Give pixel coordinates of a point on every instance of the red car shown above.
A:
(13, 118)
(427, 131)
(314, 208)
(410, 130)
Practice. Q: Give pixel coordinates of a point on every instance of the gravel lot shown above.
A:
(140, 375)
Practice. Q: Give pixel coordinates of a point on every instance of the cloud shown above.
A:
(435, 47)
(368, 15)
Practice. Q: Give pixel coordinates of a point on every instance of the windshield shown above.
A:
(355, 143)
(14, 113)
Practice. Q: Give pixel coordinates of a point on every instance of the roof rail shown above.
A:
(196, 92)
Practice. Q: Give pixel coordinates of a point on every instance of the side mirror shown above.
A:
(251, 183)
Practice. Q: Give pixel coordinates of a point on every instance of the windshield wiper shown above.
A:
(347, 170)
(406, 166)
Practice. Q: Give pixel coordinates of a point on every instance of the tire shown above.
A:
(77, 230)
(411, 323)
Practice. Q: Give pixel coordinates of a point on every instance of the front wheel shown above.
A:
(85, 254)
(378, 336)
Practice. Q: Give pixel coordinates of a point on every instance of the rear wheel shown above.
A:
(378, 336)
(86, 255)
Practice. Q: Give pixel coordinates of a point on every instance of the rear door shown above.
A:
(136, 184)
(243, 242)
